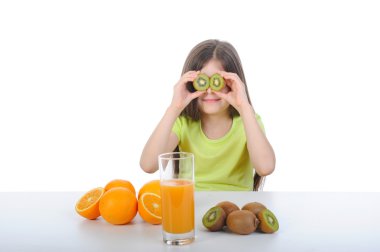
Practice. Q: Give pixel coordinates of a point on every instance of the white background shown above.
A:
(84, 83)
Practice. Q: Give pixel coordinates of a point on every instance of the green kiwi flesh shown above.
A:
(254, 207)
(216, 82)
(268, 221)
(214, 219)
(201, 83)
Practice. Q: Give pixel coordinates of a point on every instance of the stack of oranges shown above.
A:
(117, 202)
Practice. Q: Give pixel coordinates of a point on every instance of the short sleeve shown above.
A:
(260, 122)
(177, 128)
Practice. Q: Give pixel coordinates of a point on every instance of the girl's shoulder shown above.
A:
(184, 122)
(239, 122)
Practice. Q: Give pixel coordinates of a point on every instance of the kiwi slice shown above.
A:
(254, 207)
(268, 221)
(242, 222)
(202, 82)
(214, 219)
(228, 207)
(216, 82)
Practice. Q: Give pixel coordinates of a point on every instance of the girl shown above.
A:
(220, 128)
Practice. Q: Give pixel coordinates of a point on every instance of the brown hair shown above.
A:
(227, 55)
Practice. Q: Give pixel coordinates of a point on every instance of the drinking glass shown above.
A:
(177, 195)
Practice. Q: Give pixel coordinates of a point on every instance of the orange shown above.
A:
(118, 206)
(120, 183)
(150, 208)
(152, 186)
(88, 205)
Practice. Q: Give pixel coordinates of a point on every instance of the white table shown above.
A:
(47, 221)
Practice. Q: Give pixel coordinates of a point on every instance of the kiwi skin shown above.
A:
(228, 207)
(242, 222)
(218, 223)
(264, 226)
(254, 207)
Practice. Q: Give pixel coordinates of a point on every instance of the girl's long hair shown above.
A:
(227, 55)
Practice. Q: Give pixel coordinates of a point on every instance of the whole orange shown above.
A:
(118, 206)
(152, 186)
(120, 183)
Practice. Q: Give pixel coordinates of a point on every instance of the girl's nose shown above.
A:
(209, 90)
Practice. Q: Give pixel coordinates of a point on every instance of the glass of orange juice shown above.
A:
(177, 195)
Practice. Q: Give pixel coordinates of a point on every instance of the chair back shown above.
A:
(258, 183)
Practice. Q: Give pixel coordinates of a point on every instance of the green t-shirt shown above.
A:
(220, 164)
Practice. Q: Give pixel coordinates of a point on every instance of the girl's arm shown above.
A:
(163, 139)
(260, 151)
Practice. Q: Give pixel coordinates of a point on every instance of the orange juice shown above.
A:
(177, 206)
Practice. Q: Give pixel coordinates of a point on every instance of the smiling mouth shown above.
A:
(210, 100)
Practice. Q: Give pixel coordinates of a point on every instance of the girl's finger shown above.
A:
(230, 83)
(231, 78)
(188, 75)
(186, 79)
(191, 72)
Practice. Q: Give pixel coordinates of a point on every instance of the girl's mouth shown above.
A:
(211, 100)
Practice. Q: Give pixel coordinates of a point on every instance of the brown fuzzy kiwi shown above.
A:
(268, 221)
(214, 219)
(254, 207)
(242, 222)
(228, 207)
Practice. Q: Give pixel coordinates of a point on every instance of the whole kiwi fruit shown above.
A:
(268, 221)
(214, 219)
(254, 207)
(242, 222)
(228, 207)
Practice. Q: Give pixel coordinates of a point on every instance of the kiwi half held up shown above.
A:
(214, 219)
(242, 222)
(216, 82)
(202, 82)
(268, 221)
(254, 207)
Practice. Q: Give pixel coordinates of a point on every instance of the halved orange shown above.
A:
(149, 208)
(88, 205)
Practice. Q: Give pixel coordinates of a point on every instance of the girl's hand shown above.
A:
(237, 95)
(182, 97)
